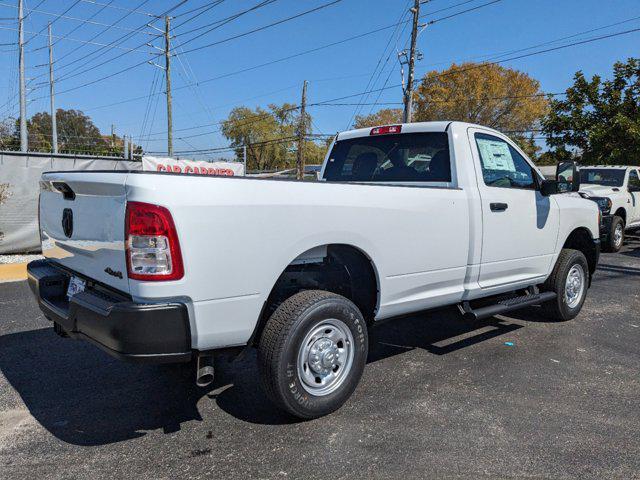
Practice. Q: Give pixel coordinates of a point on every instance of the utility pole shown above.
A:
(125, 147)
(113, 137)
(167, 70)
(408, 93)
(24, 143)
(302, 132)
(54, 123)
(244, 158)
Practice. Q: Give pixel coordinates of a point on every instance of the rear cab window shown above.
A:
(404, 157)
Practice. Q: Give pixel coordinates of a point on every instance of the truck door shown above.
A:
(634, 192)
(519, 225)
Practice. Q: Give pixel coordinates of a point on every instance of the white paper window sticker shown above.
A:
(495, 155)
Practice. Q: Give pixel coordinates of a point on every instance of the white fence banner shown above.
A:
(156, 164)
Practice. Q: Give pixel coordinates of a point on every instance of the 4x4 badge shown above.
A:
(113, 273)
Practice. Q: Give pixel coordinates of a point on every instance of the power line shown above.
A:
(450, 7)
(483, 65)
(67, 17)
(196, 9)
(384, 51)
(56, 19)
(356, 111)
(462, 12)
(37, 6)
(117, 7)
(259, 29)
(224, 21)
(117, 41)
(64, 37)
(360, 36)
(258, 117)
(272, 62)
(82, 24)
(511, 52)
(75, 72)
(289, 139)
(238, 71)
(203, 9)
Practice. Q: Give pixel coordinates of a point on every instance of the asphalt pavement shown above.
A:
(514, 397)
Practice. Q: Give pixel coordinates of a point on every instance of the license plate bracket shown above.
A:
(76, 285)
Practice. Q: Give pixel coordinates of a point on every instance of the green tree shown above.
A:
(76, 134)
(385, 116)
(8, 135)
(314, 152)
(487, 94)
(599, 120)
(270, 136)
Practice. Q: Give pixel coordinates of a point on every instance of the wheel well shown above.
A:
(580, 239)
(622, 213)
(337, 268)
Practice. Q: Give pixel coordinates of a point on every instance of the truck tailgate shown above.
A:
(82, 222)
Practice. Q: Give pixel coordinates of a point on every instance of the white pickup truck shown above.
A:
(170, 267)
(616, 190)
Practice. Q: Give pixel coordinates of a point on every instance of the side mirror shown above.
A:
(548, 187)
(568, 177)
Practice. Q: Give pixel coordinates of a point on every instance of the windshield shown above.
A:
(610, 177)
(405, 157)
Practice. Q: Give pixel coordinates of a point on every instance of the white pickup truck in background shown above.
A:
(616, 190)
(168, 268)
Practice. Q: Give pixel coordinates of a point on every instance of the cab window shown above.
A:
(405, 157)
(502, 165)
(634, 181)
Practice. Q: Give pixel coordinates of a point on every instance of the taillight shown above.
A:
(153, 250)
(386, 130)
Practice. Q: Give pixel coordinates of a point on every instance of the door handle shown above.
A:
(498, 207)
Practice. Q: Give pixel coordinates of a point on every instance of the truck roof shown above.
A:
(611, 167)
(408, 128)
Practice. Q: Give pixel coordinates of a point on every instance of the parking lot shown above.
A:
(515, 396)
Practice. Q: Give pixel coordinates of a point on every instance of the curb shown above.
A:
(13, 272)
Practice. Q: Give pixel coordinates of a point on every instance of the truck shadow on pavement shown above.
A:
(632, 244)
(84, 397)
(440, 332)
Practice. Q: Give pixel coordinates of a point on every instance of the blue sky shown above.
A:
(333, 72)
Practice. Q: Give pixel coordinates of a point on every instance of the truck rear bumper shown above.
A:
(139, 332)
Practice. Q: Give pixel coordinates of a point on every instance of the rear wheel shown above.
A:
(312, 353)
(569, 280)
(616, 235)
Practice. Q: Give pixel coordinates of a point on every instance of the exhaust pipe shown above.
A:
(204, 370)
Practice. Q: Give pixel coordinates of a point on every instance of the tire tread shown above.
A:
(566, 257)
(276, 330)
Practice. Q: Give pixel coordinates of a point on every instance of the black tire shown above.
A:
(612, 245)
(280, 345)
(559, 309)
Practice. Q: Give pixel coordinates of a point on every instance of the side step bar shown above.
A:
(504, 306)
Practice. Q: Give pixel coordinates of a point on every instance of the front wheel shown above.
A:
(569, 280)
(312, 353)
(616, 235)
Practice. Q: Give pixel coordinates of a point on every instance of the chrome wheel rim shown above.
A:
(325, 357)
(617, 235)
(574, 286)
